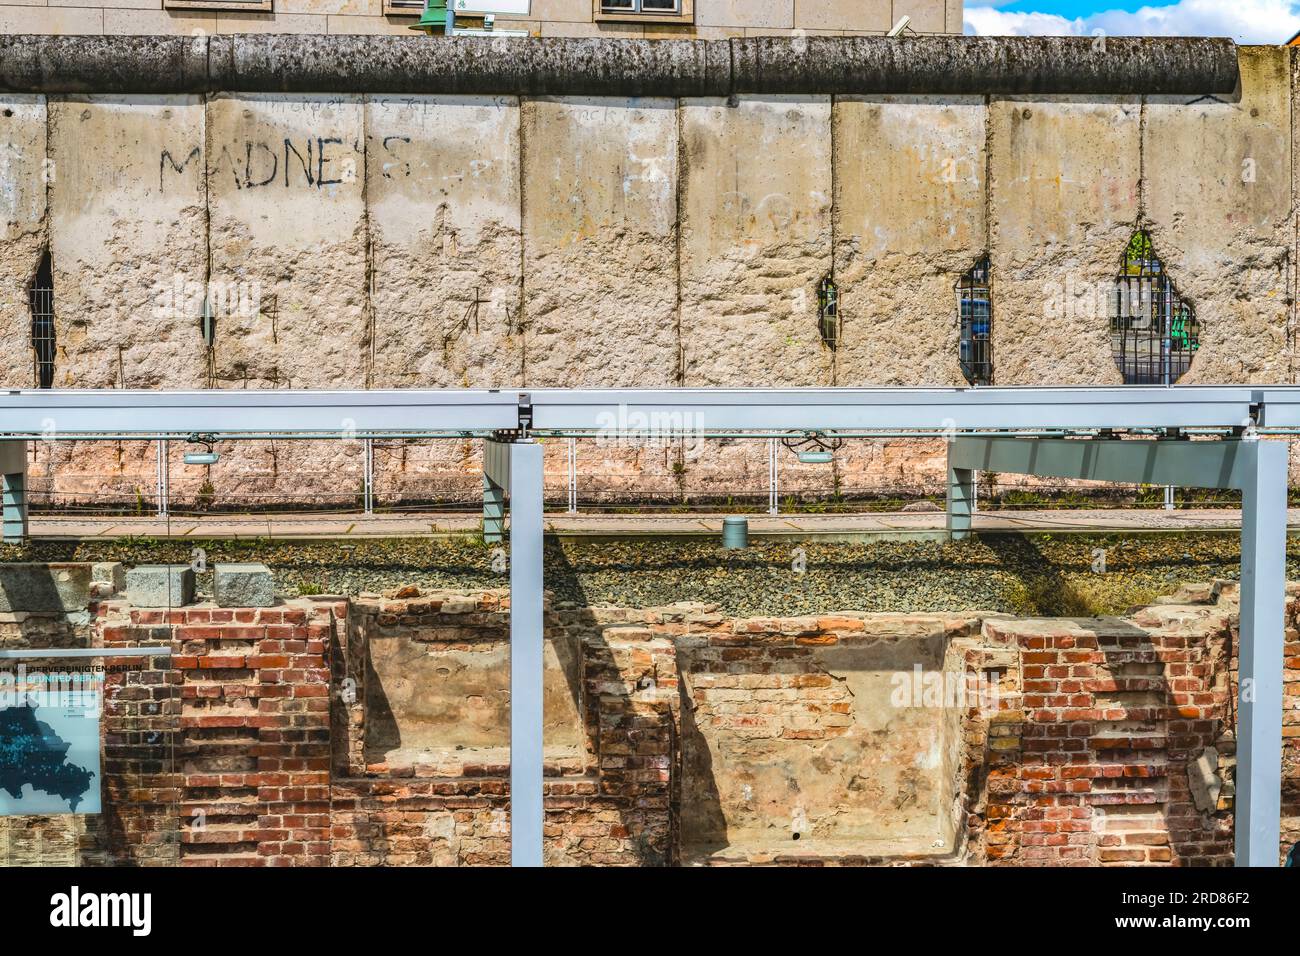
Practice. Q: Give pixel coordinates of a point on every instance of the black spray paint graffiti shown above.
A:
(178, 168)
(311, 164)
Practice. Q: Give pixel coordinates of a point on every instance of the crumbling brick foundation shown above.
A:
(372, 731)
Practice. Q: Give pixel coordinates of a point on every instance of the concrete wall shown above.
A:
(704, 19)
(444, 241)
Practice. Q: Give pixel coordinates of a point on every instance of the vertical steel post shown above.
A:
(526, 646)
(1263, 602)
(368, 479)
(773, 493)
(494, 511)
(573, 476)
(13, 490)
(163, 478)
(961, 500)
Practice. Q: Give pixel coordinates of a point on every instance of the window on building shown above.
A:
(243, 6)
(975, 310)
(1154, 333)
(41, 301)
(641, 6)
(675, 11)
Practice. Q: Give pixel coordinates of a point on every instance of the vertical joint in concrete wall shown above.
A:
(13, 490)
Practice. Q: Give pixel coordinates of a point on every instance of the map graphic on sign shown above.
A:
(49, 756)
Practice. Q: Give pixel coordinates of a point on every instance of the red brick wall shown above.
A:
(1093, 767)
(248, 722)
(1110, 743)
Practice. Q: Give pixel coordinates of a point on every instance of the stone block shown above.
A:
(107, 578)
(28, 586)
(160, 585)
(243, 585)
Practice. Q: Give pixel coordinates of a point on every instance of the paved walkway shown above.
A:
(821, 527)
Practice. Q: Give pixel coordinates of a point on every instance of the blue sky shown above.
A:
(1246, 21)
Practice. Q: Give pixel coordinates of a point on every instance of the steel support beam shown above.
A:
(961, 501)
(1263, 599)
(13, 490)
(514, 469)
(660, 412)
(67, 413)
(527, 639)
(496, 483)
(70, 414)
(1193, 464)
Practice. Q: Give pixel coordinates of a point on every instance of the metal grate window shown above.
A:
(976, 312)
(828, 313)
(41, 299)
(1154, 333)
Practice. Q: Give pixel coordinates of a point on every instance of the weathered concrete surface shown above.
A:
(1218, 201)
(612, 67)
(426, 701)
(600, 250)
(160, 585)
(999, 65)
(285, 188)
(442, 179)
(909, 220)
(756, 227)
(22, 228)
(1063, 203)
(128, 227)
(819, 743)
(243, 585)
(44, 587)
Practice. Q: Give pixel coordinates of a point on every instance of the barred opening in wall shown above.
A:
(1154, 333)
(828, 313)
(975, 310)
(41, 301)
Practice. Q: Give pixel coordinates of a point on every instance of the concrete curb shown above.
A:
(247, 63)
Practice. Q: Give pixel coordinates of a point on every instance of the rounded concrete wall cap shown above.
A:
(563, 66)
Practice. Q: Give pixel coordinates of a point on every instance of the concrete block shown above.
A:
(910, 214)
(601, 262)
(160, 585)
(299, 286)
(108, 578)
(22, 216)
(243, 585)
(1064, 181)
(29, 586)
(136, 195)
(756, 240)
(443, 193)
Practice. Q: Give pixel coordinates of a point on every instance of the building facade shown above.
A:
(654, 19)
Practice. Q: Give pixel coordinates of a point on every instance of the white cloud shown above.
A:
(1246, 21)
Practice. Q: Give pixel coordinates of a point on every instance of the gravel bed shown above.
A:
(1047, 574)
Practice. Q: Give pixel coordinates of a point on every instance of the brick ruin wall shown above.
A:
(374, 731)
(369, 241)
